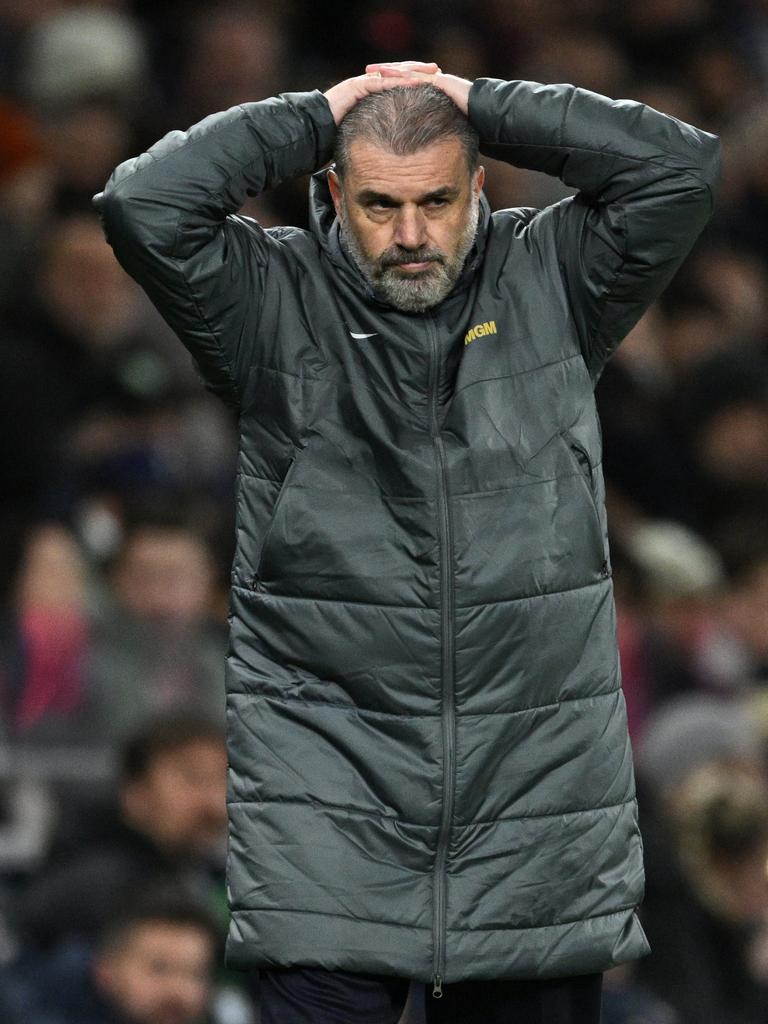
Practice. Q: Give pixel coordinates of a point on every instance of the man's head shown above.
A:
(406, 187)
(153, 963)
(173, 785)
(82, 286)
(164, 570)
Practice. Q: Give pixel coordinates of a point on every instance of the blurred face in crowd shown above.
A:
(745, 607)
(180, 801)
(87, 142)
(83, 286)
(158, 974)
(733, 446)
(746, 881)
(242, 51)
(164, 575)
(408, 221)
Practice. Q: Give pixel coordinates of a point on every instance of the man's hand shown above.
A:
(345, 95)
(342, 97)
(454, 87)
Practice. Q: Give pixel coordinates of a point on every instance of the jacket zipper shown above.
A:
(447, 709)
(581, 455)
(255, 579)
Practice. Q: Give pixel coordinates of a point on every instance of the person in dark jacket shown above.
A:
(167, 827)
(152, 963)
(430, 772)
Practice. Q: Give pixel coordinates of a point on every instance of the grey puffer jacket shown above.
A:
(430, 773)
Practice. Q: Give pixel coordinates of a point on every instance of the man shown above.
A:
(156, 647)
(155, 965)
(152, 964)
(169, 828)
(430, 770)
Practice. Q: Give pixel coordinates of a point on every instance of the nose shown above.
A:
(410, 227)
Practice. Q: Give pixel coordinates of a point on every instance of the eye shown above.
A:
(437, 203)
(380, 204)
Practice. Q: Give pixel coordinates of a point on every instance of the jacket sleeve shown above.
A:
(646, 186)
(169, 215)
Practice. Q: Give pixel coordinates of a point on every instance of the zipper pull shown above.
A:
(437, 987)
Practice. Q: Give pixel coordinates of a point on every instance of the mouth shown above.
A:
(415, 267)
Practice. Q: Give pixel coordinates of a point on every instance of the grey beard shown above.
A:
(417, 293)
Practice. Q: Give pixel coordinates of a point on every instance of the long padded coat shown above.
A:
(430, 772)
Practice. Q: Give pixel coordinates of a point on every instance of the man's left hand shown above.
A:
(454, 87)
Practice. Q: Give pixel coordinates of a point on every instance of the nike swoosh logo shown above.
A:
(361, 336)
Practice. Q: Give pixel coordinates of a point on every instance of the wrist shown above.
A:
(337, 102)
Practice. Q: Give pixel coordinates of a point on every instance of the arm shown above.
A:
(646, 186)
(168, 216)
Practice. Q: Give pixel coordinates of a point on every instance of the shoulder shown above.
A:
(531, 227)
(280, 235)
(282, 244)
(517, 220)
(514, 215)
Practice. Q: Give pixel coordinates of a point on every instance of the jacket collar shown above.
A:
(324, 224)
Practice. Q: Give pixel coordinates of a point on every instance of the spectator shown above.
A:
(155, 645)
(667, 580)
(703, 935)
(85, 666)
(151, 964)
(168, 825)
(44, 642)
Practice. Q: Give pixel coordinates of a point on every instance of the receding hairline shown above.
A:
(442, 183)
(403, 121)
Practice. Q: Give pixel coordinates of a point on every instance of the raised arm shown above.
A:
(646, 186)
(169, 215)
(646, 190)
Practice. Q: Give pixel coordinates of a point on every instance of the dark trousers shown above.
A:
(308, 995)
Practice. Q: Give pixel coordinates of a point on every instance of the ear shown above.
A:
(479, 180)
(335, 186)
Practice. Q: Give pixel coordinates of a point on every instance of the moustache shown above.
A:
(395, 257)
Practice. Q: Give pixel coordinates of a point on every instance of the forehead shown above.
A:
(175, 939)
(372, 168)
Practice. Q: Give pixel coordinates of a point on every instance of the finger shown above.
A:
(395, 72)
(400, 82)
(397, 77)
(412, 65)
(404, 68)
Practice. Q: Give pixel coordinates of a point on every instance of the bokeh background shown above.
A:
(117, 477)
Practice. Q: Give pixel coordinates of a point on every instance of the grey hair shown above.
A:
(404, 120)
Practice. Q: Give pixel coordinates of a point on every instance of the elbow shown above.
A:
(131, 221)
(109, 208)
(711, 161)
(699, 177)
(107, 205)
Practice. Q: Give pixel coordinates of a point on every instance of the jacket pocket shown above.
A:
(256, 578)
(582, 461)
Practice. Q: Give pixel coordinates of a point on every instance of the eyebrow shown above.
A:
(371, 196)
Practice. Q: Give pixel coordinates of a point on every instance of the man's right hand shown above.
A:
(455, 88)
(342, 97)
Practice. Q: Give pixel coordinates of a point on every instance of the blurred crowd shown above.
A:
(117, 483)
